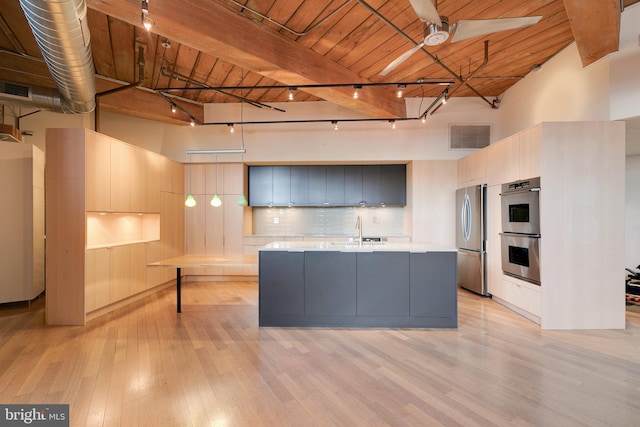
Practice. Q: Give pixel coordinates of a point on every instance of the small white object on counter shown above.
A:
(343, 246)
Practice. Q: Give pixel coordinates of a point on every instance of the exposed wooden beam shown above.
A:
(148, 105)
(213, 29)
(596, 27)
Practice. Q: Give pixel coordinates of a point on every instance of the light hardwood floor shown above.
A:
(145, 365)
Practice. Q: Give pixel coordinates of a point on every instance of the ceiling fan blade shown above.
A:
(468, 28)
(426, 11)
(399, 60)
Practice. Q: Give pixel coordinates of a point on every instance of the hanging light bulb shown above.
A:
(242, 201)
(190, 201)
(216, 201)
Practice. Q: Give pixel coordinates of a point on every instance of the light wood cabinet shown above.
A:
(472, 169)
(97, 278)
(98, 173)
(83, 279)
(503, 161)
(120, 178)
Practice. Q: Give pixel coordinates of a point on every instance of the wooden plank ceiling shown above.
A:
(224, 43)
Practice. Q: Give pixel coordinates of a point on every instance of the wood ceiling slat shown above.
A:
(19, 29)
(307, 15)
(365, 40)
(186, 63)
(122, 42)
(281, 12)
(101, 44)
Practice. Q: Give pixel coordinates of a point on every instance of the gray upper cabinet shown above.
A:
(331, 185)
(317, 184)
(335, 186)
(300, 186)
(281, 186)
(260, 185)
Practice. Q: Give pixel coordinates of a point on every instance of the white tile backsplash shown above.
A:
(383, 222)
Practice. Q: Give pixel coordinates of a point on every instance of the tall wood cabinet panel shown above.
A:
(98, 173)
(83, 279)
(216, 230)
(21, 222)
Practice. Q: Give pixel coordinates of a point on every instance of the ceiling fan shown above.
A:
(437, 29)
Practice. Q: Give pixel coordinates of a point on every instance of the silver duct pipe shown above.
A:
(62, 32)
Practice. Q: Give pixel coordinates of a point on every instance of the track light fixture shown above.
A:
(291, 90)
(356, 91)
(147, 22)
(335, 124)
(173, 108)
(439, 99)
(231, 128)
(393, 124)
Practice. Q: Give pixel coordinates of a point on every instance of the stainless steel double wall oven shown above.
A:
(520, 235)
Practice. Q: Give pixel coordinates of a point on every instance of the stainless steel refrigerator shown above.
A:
(471, 233)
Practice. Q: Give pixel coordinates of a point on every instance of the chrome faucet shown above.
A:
(359, 228)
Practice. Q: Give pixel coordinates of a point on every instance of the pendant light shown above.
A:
(215, 200)
(190, 200)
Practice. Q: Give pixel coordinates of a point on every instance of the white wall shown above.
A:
(560, 91)
(625, 68)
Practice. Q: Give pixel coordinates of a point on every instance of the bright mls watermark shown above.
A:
(34, 415)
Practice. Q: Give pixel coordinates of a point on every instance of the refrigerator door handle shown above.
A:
(466, 220)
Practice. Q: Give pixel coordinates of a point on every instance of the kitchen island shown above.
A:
(338, 284)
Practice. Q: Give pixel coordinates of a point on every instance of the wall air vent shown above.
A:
(14, 90)
(469, 137)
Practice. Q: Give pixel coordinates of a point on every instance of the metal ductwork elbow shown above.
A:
(62, 32)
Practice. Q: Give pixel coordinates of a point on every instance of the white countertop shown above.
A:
(344, 246)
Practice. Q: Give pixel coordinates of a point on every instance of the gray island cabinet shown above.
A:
(397, 285)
